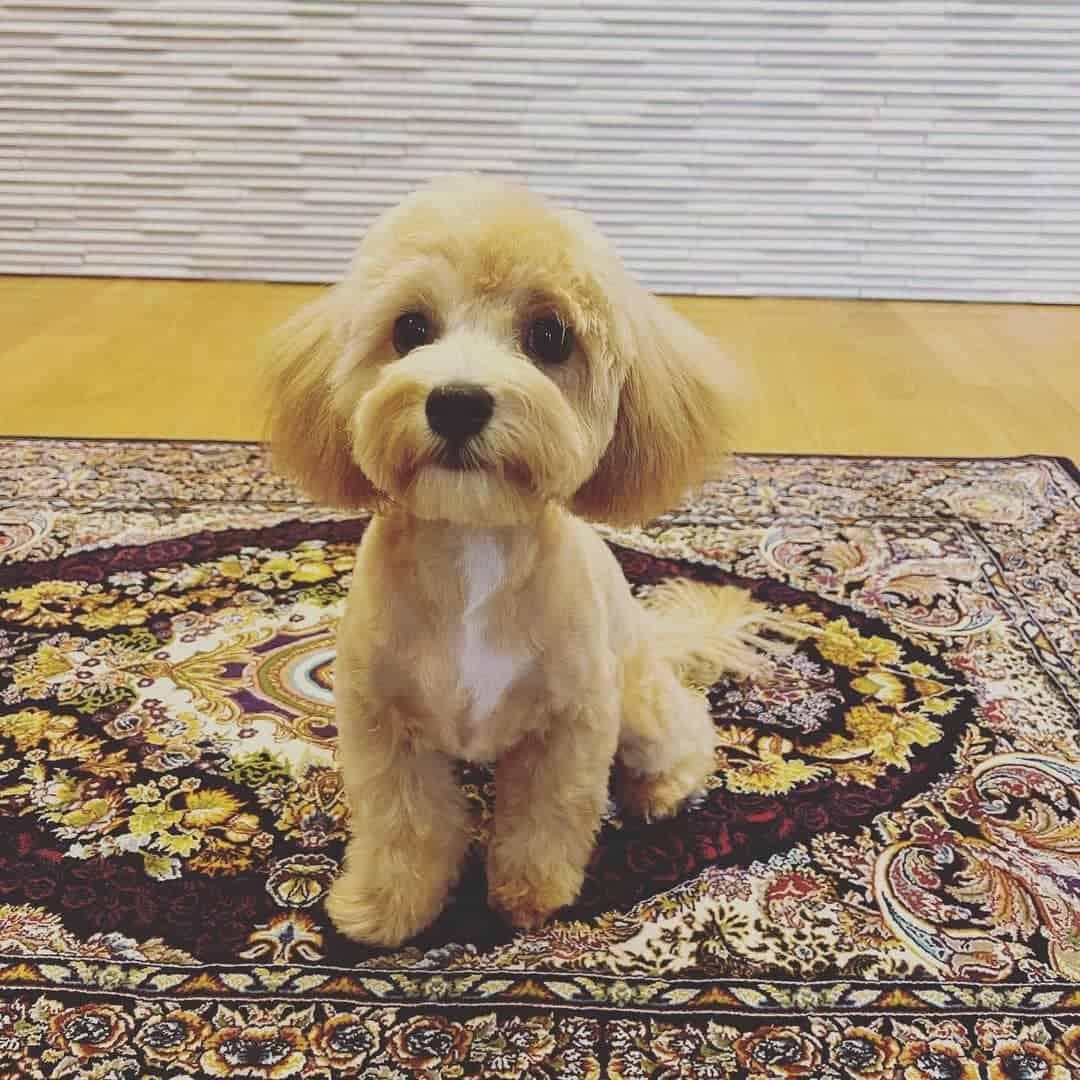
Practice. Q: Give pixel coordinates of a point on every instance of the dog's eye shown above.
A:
(548, 339)
(411, 330)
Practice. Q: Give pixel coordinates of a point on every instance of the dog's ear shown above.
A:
(673, 421)
(309, 437)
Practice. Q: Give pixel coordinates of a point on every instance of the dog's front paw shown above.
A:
(384, 915)
(528, 899)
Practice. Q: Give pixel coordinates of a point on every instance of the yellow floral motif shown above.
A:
(149, 819)
(300, 888)
(161, 867)
(842, 644)
(163, 604)
(922, 671)
(210, 594)
(314, 810)
(900, 701)
(940, 706)
(209, 807)
(144, 792)
(30, 727)
(114, 766)
(182, 844)
(313, 571)
(301, 880)
(78, 747)
(45, 604)
(288, 936)
(63, 790)
(50, 604)
(206, 827)
(891, 736)
(772, 772)
(882, 685)
(48, 662)
(184, 726)
(242, 829)
(221, 858)
(124, 613)
(189, 578)
(731, 735)
(92, 812)
(280, 565)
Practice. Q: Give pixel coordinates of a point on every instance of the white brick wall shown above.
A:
(813, 147)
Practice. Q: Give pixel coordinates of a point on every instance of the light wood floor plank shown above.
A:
(91, 357)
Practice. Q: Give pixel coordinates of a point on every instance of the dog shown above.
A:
(486, 380)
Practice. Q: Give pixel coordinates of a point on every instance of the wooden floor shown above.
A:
(86, 357)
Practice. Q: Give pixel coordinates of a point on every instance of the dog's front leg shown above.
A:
(551, 791)
(408, 832)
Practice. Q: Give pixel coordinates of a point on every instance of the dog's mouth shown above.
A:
(458, 458)
(466, 458)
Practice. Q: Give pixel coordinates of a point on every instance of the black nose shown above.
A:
(459, 411)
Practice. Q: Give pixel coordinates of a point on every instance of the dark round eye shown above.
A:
(411, 330)
(548, 339)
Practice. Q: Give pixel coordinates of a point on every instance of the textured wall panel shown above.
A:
(815, 147)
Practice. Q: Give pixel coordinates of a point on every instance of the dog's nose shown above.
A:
(459, 411)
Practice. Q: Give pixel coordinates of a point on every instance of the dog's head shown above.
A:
(486, 354)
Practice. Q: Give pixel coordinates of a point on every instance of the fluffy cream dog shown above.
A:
(485, 377)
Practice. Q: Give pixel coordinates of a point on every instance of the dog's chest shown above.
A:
(486, 668)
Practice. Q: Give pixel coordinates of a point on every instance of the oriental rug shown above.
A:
(882, 882)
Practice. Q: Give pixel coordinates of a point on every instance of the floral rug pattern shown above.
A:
(883, 880)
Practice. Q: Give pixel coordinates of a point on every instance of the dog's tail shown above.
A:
(708, 631)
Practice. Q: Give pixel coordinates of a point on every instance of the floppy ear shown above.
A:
(309, 437)
(672, 426)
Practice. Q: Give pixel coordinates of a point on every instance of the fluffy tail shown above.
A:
(708, 631)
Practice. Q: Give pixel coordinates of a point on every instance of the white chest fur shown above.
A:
(486, 671)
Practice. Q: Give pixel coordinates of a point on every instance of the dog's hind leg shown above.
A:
(692, 633)
(667, 743)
